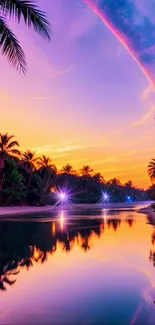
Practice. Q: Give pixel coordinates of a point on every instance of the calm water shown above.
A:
(91, 268)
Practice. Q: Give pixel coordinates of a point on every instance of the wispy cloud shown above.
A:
(58, 149)
(146, 93)
(131, 153)
(124, 169)
(66, 148)
(41, 97)
(106, 160)
(144, 119)
(81, 23)
(54, 74)
(62, 72)
(60, 155)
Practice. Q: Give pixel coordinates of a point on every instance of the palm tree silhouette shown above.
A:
(67, 169)
(14, 182)
(8, 145)
(152, 257)
(151, 170)
(86, 172)
(44, 183)
(98, 178)
(27, 12)
(45, 161)
(5, 279)
(29, 161)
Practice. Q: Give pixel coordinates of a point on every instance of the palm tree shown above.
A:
(14, 186)
(86, 170)
(151, 170)
(29, 161)
(114, 181)
(28, 12)
(67, 169)
(44, 162)
(98, 178)
(44, 183)
(8, 145)
(128, 184)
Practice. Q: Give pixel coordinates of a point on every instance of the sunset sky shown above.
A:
(84, 99)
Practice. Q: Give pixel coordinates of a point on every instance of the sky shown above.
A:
(88, 95)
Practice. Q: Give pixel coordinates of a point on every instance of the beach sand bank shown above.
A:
(24, 210)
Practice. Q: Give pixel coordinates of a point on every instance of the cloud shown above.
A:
(60, 155)
(70, 148)
(54, 74)
(144, 119)
(62, 72)
(124, 169)
(81, 23)
(106, 160)
(131, 153)
(41, 97)
(146, 93)
(65, 148)
(58, 149)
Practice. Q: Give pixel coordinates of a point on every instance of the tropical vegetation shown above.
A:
(151, 173)
(29, 179)
(25, 11)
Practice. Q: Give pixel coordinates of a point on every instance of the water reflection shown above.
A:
(22, 244)
(104, 256)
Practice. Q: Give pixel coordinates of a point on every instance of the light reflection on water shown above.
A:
(78, 268)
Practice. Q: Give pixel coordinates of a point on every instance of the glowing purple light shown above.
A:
(105, 197)
(62, 196)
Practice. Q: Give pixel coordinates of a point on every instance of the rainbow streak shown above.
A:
(122, 40)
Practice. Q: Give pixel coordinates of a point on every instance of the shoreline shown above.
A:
(27, 210)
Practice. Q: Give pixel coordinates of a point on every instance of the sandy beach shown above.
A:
(24, 210)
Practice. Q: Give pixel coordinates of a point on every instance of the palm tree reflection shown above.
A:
(152, 257)
(22, 244)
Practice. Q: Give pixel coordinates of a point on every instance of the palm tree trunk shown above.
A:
(29, 181)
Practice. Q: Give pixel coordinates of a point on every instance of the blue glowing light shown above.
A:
(129, 198)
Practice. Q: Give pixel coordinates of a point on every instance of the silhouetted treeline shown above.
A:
(26, 179)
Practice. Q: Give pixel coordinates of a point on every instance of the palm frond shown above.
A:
(10, 47)
(12, 144)
(29, 11)
(28, 155)
(15, 152)
(7, 137)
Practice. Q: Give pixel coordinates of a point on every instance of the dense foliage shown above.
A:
(151, 173)
(26, 179)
